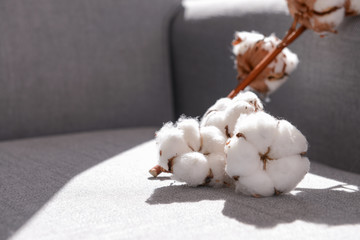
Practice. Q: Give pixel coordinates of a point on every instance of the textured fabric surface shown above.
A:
(80, 65)
(86, 186)
(321, 96)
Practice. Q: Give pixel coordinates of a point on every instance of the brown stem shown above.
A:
(288, 39)
(155, 171)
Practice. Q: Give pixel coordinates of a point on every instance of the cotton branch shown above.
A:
(292, 34)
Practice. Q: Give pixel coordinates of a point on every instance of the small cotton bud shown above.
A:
(213, 140)
(191, 131)
(171, 143)
(225, 119)
(192, 168)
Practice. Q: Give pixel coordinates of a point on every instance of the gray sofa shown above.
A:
(86, 83)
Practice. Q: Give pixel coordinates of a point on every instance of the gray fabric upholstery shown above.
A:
(79, 65)
(33, 171)
(320, 98)
(92, 186)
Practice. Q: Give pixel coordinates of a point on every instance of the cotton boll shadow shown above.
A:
(159, 178)
(332, 206)
(184, 194)
(322, 206)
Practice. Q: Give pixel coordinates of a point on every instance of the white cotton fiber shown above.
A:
(274, 85)
(289, 141)
(334, 19)
(259, 129)
(217, 165)
(320, 15)
(287, 172)
(292, 60)
(220, 105)
(191, 131)
(353, 7)
(258, 184)
(171, 143)
(266, 149)
(216, 119)
(248, 39)
(250, 98)
(192, 168)
(213, 140)
(225, 119)
(324, 5)
(232, 114)
(242, 157)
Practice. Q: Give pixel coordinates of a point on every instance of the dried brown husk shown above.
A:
(303, 11)
(246, 62)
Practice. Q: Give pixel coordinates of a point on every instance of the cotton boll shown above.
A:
(242, 157)
(249, 54)
(192, 168)
(255, 184)
(216, 119)
(287, 172)
(214, 116)
(217, 165)
(289, 141)
(191, 131)
(233, 112)
(352, 7)
(258, 128)
(318, 15)
(213, 140)
(171, 143)
(220, 105)
(224, 120)
(250, 98)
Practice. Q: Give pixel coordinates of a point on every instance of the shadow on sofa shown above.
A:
(336, 205)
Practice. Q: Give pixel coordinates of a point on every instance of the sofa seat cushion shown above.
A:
(96, 186)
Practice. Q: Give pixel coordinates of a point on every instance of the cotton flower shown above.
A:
(236, 143)
(225, 112)
(250, 49)
(318, 15)
(194, 155)
(266, 156)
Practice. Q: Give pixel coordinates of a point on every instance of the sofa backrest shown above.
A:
(81, 65)
(321, 97)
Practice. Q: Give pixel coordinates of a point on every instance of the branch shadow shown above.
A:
(333, 206)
